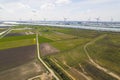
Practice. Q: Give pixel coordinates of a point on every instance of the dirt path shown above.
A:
(42, 77)
(39, 57)
(94, 63)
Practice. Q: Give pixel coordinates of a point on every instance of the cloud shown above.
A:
(47, 6)
(62, 1)
(57, 9)
(53, 3)
(1, 7)
(16, 6)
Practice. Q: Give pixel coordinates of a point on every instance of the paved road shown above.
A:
(39, 57)
(97, 65)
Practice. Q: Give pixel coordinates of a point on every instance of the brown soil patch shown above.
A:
(16, 56)
(23, 72)
(47, 49)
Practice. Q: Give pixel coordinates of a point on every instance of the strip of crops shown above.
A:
(57, 70)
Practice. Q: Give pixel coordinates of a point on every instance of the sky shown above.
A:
(78, 10)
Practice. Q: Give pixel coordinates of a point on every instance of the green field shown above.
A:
(80, 32)
(18, 41)
(44, 40)
(14, 38)
(64, 45)
(72, 52)
(56, 35)
(106, 52)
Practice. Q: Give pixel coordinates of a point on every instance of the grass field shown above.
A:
(51, 33)
(73, 55)
(68, 44)
(80, 32)
(44, 40)
(56, 35)
(107, 52)
(14, 38)
(77, 56)
(18, 41)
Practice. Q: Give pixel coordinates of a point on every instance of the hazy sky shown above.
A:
(58, 9)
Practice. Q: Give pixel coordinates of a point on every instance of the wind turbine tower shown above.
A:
(97, 19)
(65, 19)
(111, 20)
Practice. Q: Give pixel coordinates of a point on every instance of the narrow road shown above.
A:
(94, 63)
(4, 33)
(39, 57)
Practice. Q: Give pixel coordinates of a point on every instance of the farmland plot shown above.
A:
(23, 72)
(16, 56)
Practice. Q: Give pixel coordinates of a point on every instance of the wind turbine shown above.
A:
(97, 19)
(111, 19)
(65, 19)
(44, 19)
(89, 19)
(20, 20)
(31, 20)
